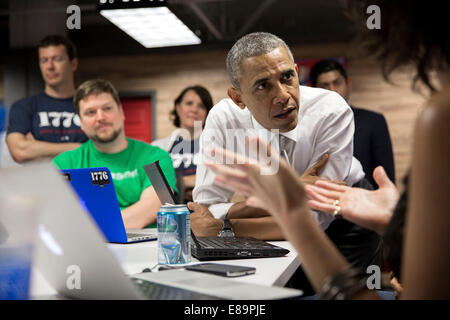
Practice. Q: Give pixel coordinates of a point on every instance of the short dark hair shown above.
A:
(323, 66)
(251, 45)
(56, 40)
(94, 86)
(204, 95)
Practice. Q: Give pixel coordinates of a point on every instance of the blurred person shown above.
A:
(192, 105)
(2, 117)
(44, 125)
(2, 133)
(416, 231)
(102, 119)
(371, 142)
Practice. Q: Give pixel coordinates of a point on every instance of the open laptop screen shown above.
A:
(159, 183)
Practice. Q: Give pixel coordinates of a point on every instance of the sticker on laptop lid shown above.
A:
(100, 177)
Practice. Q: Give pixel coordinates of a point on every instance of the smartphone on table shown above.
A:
(224, 270)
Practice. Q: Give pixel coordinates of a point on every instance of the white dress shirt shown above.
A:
(325, 125)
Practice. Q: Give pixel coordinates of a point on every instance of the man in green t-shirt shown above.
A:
(102, 120)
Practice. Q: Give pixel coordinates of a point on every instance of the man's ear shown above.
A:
(296, 68)
(235, 95)
(74, 63)
(81, 122)
(121, 111)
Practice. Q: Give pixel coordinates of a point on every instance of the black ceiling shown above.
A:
(217, 22)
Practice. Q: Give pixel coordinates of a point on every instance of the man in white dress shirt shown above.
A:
(266, 100)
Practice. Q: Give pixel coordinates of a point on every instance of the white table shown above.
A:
(138, 256)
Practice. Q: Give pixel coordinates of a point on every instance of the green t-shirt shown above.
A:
(126, 166)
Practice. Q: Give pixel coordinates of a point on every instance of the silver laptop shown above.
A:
(69, 240)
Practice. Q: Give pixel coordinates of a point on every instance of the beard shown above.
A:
(113, 136)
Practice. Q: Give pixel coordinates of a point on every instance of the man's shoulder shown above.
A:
(227, 108)
(66, 159)
(28, 101)
(226, 113)
(321, 101)
(369, 119)
(144, 148)
(144, 153)
(41, 102)
(367, 114)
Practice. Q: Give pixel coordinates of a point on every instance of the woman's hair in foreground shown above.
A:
(412, 32)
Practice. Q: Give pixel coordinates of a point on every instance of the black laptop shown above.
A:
(213, 248)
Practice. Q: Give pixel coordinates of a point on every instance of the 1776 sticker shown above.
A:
(100, 177)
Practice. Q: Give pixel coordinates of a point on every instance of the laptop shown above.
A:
(213, 248)
(69, 240)
(95, 189)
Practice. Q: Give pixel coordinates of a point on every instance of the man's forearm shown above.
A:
(51, 149)
(23, 150)
(320, 257)
(240, 210)
(142, 213)
(263, 228)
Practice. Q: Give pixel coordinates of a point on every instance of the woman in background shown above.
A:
(189, 114)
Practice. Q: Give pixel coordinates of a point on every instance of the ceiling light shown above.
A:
(152, 27)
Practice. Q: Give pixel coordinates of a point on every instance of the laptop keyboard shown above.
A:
(157, 291)
(232, 243)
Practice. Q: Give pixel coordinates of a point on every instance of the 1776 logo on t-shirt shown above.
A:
(56, 119)
(100, 177)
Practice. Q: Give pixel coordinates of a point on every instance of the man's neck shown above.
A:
(116, 146)
(61, 91)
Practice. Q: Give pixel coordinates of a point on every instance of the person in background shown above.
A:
(2, 126)
(102, 119)
(416, 231)
(372, 142)
(313, 128)
(44, 125)
(2, 117)
(192, 105)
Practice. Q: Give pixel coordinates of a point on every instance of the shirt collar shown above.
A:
(273, 135)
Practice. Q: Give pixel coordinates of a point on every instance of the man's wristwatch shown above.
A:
(227, 229)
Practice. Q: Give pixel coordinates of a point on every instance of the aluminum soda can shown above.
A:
(174, 234)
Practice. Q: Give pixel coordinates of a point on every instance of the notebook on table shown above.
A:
(95, 189)
(213, 248)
